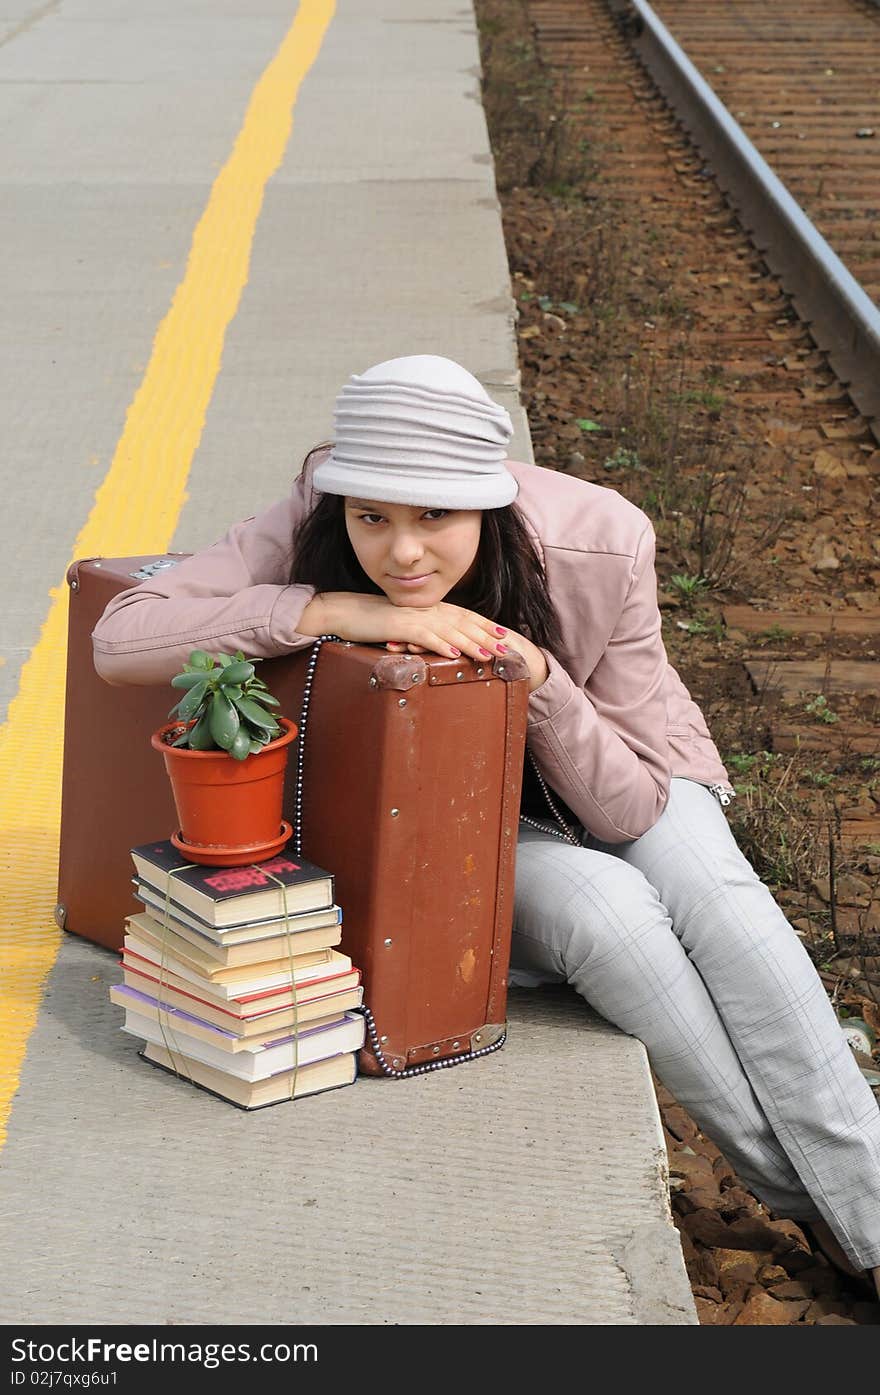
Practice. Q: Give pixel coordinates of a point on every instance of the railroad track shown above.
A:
(810, 623)
(783, 102)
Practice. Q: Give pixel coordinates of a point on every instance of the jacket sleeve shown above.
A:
(603, 747)
(234, 595)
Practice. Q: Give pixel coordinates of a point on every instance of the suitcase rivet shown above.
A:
(395, 813)
(388, 942)
(383, 1040)
(480, 671)
(97, 564)
(397, 1061)
(374, 682)
(415, 677)
(74, 585)
(500, 668)
(436, 1050)
(459, 674)
(401, 702)
(477, 1036)
(456, 1045)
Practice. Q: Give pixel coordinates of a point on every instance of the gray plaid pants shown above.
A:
(674, 939)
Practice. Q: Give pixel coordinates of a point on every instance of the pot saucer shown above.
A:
(227, 856)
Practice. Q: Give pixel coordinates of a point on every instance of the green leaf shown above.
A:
(256, 747)
(200, 660)
(586, 424)
(235, 673)
(241, 745)
(187, 680)
(191, 702)
(570, 306)
(225, 660)
(256, 716)
(223, 720)
(200, 738)
(262, 697)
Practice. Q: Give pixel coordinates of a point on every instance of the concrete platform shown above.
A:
(526, 1188)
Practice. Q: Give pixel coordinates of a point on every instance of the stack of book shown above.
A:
(232, 978)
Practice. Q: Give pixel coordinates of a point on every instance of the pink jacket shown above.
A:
(608, 728)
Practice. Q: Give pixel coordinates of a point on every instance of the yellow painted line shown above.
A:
(135, 511)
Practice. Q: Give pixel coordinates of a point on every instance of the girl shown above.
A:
(413, 529)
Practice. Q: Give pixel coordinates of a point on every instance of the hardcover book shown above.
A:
(234, 895)
(172, 948)
(308, 1045)
(226, 935)
(237, 1029)
(221, 1038)
(321, 1075)
(263, 1012)
(274, 991)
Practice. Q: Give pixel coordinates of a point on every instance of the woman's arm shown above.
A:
(603, 747)
(234, 595)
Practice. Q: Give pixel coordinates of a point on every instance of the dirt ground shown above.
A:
(660, 358)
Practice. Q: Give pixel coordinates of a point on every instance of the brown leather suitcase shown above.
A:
(409, 772)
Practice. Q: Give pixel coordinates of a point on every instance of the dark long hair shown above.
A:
(510, 584)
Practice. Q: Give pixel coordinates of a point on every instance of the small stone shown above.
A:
(835, 1320)
(762, 1310)
(706, 1291)
(732, 1259)
(686, 1163)
(824, 463)
(791, 1288)
(773, 1274)
(716, 1314)
(824, 558)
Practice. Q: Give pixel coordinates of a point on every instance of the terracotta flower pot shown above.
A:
(229, 811)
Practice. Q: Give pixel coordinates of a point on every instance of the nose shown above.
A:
(406, 548)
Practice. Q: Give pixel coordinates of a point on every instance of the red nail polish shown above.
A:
(499, 631)
(501, 648)
(456, 652)
(485, 652)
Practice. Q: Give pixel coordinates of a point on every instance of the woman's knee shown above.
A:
(575, 904)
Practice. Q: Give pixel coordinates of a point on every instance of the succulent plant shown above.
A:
(225, 705)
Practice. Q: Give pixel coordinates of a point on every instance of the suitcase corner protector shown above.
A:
(488, 1035)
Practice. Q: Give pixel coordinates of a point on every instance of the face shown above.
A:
(416, 555)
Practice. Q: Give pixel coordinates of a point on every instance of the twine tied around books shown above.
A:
(162, 1011)
(178, 1059)
(289, 941)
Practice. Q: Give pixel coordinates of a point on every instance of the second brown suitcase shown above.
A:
(410, 771)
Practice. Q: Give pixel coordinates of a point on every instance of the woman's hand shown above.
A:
(445, 629)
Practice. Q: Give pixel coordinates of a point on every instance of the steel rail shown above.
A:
(842, 319)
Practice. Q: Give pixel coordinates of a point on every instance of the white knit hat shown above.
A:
(419, 430)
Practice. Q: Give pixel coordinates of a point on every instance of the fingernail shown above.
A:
(501, 648)
(487, 654)
(456, 652)
(499, 631)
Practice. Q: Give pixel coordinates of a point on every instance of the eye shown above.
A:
(438, 513)
(365, 518)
